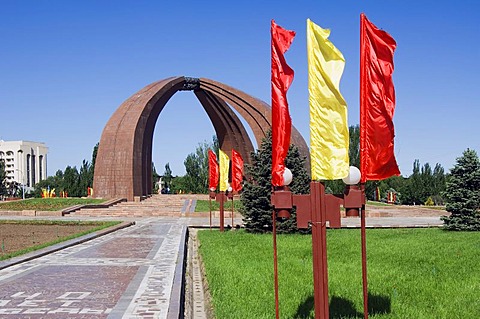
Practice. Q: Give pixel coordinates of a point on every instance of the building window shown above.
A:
(33, 171)
(28, 170)
(40, 167)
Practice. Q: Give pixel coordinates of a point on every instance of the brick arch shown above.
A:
(123, 164)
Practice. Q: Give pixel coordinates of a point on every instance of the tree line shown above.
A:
(72, 181)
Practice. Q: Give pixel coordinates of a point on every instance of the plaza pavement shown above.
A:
(136, 271)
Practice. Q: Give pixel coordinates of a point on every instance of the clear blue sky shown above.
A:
(66, 66)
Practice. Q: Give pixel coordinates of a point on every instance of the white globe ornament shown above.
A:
(353, 177)
(287, 177)
(229, 188)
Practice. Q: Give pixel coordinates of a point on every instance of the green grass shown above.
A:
(374, 203)
(413, 273)
(204, 206)
(47, 204)
(96, 226)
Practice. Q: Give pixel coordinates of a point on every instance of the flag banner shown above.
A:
(237, 171)
(212, 170)
(282, 77)
(224, 163)
(329, 137)
(377, 103)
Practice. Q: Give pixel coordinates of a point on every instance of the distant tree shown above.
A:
(462, 194)
(155, 179)
(71, 181)
(196, 166)
(85, 178)
(92, 165)
(3, 179)
(257, 210)
(354, 148)
(178, 185)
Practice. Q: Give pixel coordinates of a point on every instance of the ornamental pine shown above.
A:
(257, 189)
(462, 194)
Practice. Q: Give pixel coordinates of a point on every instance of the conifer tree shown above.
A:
(257, 189)
(462, 194)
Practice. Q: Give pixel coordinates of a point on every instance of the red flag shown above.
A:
(212, 170)
(282, 77)
(377, 103)
(237, 170)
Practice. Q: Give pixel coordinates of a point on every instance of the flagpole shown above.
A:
(210, 204)
(232, 211)
(363, 133)
(275, 264)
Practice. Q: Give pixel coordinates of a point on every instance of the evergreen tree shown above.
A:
(3, 179)
(462, 194)
(257, 189)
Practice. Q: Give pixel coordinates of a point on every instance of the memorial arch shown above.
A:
(124, 160)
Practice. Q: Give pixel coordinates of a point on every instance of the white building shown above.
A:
(25, 162)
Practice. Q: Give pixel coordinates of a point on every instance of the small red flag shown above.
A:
(377, 103)
(237, 171)
(212, 171)
(282, 77)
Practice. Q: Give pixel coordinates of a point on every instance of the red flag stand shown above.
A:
(210, 197)
(232, 212)
(222, 198)
(316, 209)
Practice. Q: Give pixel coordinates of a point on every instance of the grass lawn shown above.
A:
(204, 205)
(412, 273)
(47, 204)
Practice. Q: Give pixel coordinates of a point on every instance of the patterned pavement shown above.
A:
(125, 274)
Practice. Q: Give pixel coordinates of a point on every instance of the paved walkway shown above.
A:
(134, 272)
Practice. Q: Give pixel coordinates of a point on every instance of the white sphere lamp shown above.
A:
(353, 177)
(287, 177)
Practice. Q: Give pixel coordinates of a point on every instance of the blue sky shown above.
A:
(66, 66)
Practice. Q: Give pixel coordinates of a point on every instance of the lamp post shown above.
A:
(316, 209)
(23, 184)
(221, 198)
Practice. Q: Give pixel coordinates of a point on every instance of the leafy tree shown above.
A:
(71, 181)
(155, 179)
(354, 146)
(257, 210)
(196, 166)
(85, 178)
(462, 194)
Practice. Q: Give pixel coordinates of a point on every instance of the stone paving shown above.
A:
(125, 274)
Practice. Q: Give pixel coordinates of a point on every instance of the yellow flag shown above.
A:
(328, 109)
(224, 161)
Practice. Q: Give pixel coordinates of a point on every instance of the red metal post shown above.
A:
(221, 197)
(210, 203)
(232, 213)
(275, 264)
(364, 262)
(319, 246)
